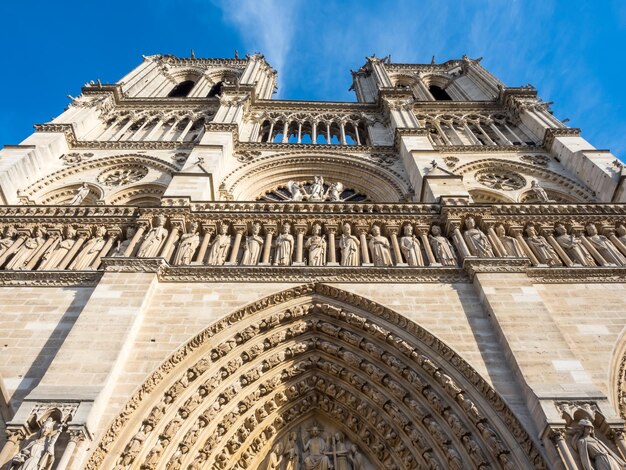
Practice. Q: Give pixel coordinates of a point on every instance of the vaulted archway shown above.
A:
(259, 380)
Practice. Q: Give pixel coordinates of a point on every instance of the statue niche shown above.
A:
(315, 191)
(315, 446)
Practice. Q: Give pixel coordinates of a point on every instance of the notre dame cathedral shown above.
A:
(194, 275)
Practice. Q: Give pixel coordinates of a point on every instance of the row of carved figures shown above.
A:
(57, 248)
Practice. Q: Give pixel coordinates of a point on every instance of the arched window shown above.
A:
(182, 89)
(215, 90)
(439, 93)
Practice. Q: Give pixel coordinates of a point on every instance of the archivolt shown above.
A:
(253, 179)
(226, 397)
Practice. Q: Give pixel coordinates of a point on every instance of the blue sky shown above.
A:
(572, 51)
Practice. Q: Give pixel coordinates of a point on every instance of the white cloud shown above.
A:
(266, 26)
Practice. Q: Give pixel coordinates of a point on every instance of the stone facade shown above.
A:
(194, 275)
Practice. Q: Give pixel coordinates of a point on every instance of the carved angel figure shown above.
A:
(510, 244)
(219, 247)
(187, 246)
(55, 254)
(541, 248)
(573, 246)
(80, 195)
(154, 239)
(252, 247)
(28, 249)
(349, 246)
(8, 240)
(476, 240)
(594, 454)
(296, 190)
(334, 191)
(411, 247)
(441, 246)
(316, 244)
(90, 251)
(604, 246)
(379, 248)
(284, 247)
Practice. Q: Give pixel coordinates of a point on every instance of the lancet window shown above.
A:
(474, 129)
(182, 89)
(332, 131)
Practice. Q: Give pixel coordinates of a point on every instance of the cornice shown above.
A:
(280, 147)
(407, 132)
(134, 265)
(577, 275)
(49, 278)
(485, 148)
(189, 61)
(395, 67)
(473, 265)
(554, 132)
(310, 274)
(314, 106)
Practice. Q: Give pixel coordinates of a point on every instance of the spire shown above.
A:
(193, 54)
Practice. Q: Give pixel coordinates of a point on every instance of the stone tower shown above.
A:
(196, 276)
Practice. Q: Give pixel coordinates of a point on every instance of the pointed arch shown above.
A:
(244, 383)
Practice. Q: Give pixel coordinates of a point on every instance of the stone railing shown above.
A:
(319, 236)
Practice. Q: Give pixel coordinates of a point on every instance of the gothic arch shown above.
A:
(315, 352)
(63, 194)
(548, 179)
(480, 196)
(617, 377)
(56, 187)
(138, 195)
(265, 174)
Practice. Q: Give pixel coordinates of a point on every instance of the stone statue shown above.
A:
(292, 454)
(53, 257)
(39, 454)
(379, 248)
(284, 247)
(510, 244)
(539, 192)
(541, 248)
(573, 246)
(8, 240)
(604, 246)
(80, 195)
(154, 456)
(27, 250)
(275, 458)
(316, 244)
(120, 249)
(317, 190)
(594, 454)
(476, 240)
(349, 246)
(356, 458)
(134, 446)
(219, 247)
(90, 250)
(340, 453)
(411, 248)
(334, 192)
(441, 246)
(316, 446)
(153, 241)
(296, 190)
(252, 247)
(187, 246)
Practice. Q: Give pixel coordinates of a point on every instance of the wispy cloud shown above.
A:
(266, 26)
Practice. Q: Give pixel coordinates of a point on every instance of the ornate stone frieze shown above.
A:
(50, 278)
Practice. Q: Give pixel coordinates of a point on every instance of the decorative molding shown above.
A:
(577, 275)
(474, 265)
(49, 278)
(134, 265)
(554, 132)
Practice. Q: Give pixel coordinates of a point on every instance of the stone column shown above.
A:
(331, 231)
(422, 230)
(138, 234)
(300, 231)
(19, 241)
(516, 232)
(209, 229)
(270, 230)
(52, 240)
(609, 232)
(457, 239)
(620, 442)
(597, 256)
(175, 227)
(365, 254)
(393, 234)
(557, 436)
(495, 242)
(547, 233)
(239, 229)
(14, 437)
(76, 436)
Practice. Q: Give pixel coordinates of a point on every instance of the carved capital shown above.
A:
(557, 435)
